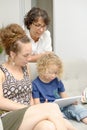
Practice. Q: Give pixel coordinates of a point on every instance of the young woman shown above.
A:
(17, 110)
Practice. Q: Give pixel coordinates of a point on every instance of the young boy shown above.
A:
(48, 86)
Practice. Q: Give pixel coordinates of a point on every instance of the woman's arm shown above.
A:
(63, 95)
(9, 105)
(35, 57)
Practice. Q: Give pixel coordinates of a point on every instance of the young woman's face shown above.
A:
(22, 57)
(37, 28)
(51, 72)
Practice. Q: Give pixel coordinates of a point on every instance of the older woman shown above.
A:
(37, 22)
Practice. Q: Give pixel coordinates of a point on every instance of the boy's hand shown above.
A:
(46, 100)
(75, 103)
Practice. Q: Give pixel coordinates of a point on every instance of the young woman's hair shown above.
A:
(49, 59)
(9, 37)
(33, 15)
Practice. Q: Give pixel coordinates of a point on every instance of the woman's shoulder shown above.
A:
(46, 36)
(2, 76)
(1, 72)
(1, 68)
(46, 33)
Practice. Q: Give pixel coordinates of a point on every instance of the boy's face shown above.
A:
(51, 72)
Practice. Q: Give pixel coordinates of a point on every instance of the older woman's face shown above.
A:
(22, 57)
(37, 28)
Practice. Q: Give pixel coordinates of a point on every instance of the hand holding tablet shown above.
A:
(63, 102)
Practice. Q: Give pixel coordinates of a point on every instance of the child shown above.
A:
(48, 86)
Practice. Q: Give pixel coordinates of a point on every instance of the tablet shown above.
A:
(63, 102)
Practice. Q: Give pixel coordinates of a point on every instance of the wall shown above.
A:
(69, 23)
(12, 11)
(70, 28)
(9, 11)
(44, 4)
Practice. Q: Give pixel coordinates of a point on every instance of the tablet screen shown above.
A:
(67, 101)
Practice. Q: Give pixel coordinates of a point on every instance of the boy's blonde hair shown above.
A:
(49, 59)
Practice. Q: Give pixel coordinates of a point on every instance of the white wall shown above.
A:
(13, 11)
(70, 24)
(70, 28)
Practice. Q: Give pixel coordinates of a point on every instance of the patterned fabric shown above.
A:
(17, 90)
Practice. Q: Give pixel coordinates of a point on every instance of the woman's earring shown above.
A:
(13, 63)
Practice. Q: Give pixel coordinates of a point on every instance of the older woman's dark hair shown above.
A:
(33, 15)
